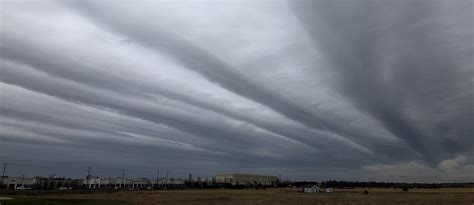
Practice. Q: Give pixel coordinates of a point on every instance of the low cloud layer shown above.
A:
(321, 89)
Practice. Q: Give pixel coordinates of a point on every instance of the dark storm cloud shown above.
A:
(209, 66)
(398, 55)
(85, 74)
(206, 130)
(214, 69)
(359, 90)
(142, 110)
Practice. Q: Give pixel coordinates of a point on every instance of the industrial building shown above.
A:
(17, 182)
(246, 179)
(127, 183)
(90, 183)
(40, 182)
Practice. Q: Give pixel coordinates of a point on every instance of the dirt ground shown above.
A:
(461, 196)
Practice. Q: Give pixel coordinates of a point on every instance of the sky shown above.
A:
(309, 89)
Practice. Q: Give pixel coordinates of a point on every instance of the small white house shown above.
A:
(329, 190)
(313, 189)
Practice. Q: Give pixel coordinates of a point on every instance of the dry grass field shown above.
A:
(281, 196)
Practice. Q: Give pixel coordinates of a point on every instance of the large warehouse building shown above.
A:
(246, 179)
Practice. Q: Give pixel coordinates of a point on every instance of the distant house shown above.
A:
(329, 190)
(313, 189)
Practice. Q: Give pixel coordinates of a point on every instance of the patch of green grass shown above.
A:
(38, 201)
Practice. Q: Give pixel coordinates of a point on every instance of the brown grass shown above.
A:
(282, 196)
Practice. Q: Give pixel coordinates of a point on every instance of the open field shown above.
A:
(62, 201)
(272, 196)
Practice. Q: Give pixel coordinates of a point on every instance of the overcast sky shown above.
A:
(350, 90)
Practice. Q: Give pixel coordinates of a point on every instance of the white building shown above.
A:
(17, 182)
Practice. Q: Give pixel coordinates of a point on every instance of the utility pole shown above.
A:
(157, 178)
(88, 172)
(3, 174)
(167, 178)
(23, 180)
(123, 175)
(88, 178)
(190, 178)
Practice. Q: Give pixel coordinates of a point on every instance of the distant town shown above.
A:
(114, 183)
(224, 180)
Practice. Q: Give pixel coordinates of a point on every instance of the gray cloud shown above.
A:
(301, 88)
(397, 57)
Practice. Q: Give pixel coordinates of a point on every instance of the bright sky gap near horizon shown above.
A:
(309, 89)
